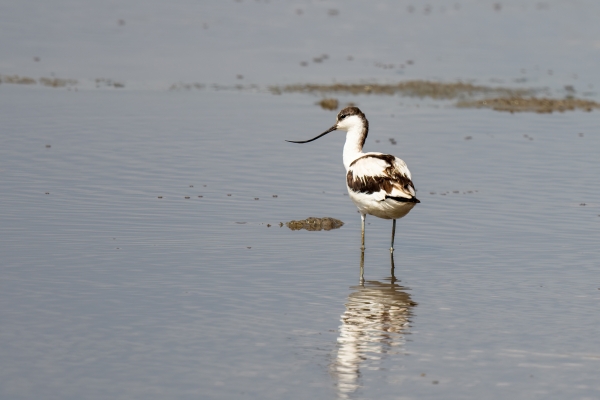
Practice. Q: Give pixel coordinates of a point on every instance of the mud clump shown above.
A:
(108, 83)
(531, 104)
(57, 82)
(315, 224)
(25, 80)
(16, 79)
(187, 86)
(329, 104)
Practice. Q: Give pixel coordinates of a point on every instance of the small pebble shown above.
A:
(47, 193)
(228, 194)
(274, 195)
(200, 196)
(187, 197)
(48, 146)
(256, 198)
(160, 197)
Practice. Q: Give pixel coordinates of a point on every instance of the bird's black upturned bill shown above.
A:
(333, 128)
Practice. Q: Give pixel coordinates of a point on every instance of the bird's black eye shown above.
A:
(342, 116)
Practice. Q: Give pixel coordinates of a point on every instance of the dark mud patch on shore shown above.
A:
(55, 82)
(17, 80)
(531, 104)
(25, 80)
(315, 224)
(415, 88)
(468, 95)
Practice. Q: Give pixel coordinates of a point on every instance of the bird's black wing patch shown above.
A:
(388, 158)
(368, 184)
(404, 199)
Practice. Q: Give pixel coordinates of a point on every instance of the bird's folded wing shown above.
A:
(380, 175)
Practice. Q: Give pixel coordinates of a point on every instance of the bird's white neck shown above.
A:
(355, 138)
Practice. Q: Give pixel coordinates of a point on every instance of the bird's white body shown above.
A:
(376, 168)
(386, 209)
(378, 184)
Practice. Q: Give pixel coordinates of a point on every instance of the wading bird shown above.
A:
(378, 184)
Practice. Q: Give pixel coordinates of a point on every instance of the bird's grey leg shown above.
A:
(362, 217)
(361, 280)
(393, 234)
(393, 278)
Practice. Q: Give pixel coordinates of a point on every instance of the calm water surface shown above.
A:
(115, 285)
(110, 291)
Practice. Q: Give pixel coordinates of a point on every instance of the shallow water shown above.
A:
(115, 285)
(110, 291)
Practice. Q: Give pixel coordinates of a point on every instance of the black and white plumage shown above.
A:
(378, 184)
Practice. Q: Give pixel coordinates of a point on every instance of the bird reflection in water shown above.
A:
(373, 326)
